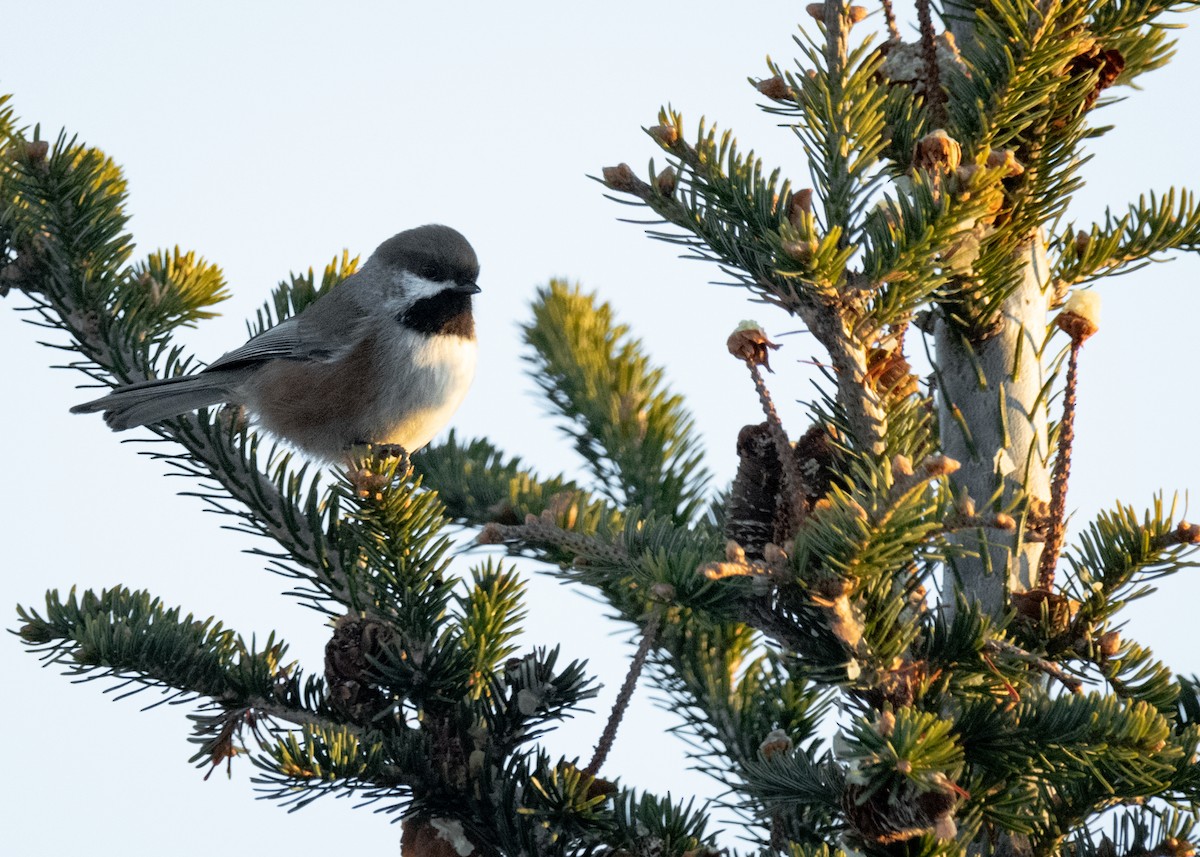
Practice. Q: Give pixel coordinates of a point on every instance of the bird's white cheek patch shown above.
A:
(415, 288)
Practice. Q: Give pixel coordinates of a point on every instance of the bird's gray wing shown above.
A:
(333, 324)
(278, 342)
(324, 331)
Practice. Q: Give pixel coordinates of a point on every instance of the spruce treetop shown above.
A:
(880, 638)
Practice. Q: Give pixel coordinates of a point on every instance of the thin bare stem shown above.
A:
(935, 98)
(609, 736)
(1060, 476)
(890, 15)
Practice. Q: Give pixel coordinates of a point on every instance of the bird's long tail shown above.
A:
(151, 401)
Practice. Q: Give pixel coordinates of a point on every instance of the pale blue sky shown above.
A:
(268, 137)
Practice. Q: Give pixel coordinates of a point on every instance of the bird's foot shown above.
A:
(386, 451)
(373, 466)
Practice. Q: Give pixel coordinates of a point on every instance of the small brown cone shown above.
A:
(937, 152)
(776, 88)
(1080, 316)
(666, 181)
(620, 177)
(666, 135)
(799, 207)
(751, 344)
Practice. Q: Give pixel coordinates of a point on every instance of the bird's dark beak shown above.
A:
(467, 289)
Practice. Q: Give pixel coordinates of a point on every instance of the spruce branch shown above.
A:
(713, 183)
(478, 485)
(204, 658)
(134, 638)
(1097, 750)
(1121, 553)
(841, 109)
(1152, 226)
(923, 239)
(802, 796)
(805, 274)
(635, 435)
(543, 530)
(118, 319)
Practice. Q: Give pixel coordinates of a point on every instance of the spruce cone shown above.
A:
(348, 654)
(758, 513)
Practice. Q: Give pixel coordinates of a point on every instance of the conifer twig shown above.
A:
(1050, 668)
(935, 98)
(539, 530)
(1183, 534)
(837, 30)
(609, 735)
(1060, 477)
(889, 15)
(1079, 320)
(829, 323)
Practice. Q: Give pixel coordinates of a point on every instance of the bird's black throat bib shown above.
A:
(447, 312)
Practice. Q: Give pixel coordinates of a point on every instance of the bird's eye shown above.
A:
(430, 269)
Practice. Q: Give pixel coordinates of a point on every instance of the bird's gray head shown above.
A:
(431, 271)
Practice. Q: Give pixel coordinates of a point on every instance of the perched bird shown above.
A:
(385, 357)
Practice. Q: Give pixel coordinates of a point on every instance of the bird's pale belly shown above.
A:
(406, 404)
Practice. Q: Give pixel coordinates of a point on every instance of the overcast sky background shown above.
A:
(270, 136)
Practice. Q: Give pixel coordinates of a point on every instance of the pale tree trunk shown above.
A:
(996, 386)
(993, 419)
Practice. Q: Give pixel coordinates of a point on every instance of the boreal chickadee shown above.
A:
(385, 357)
